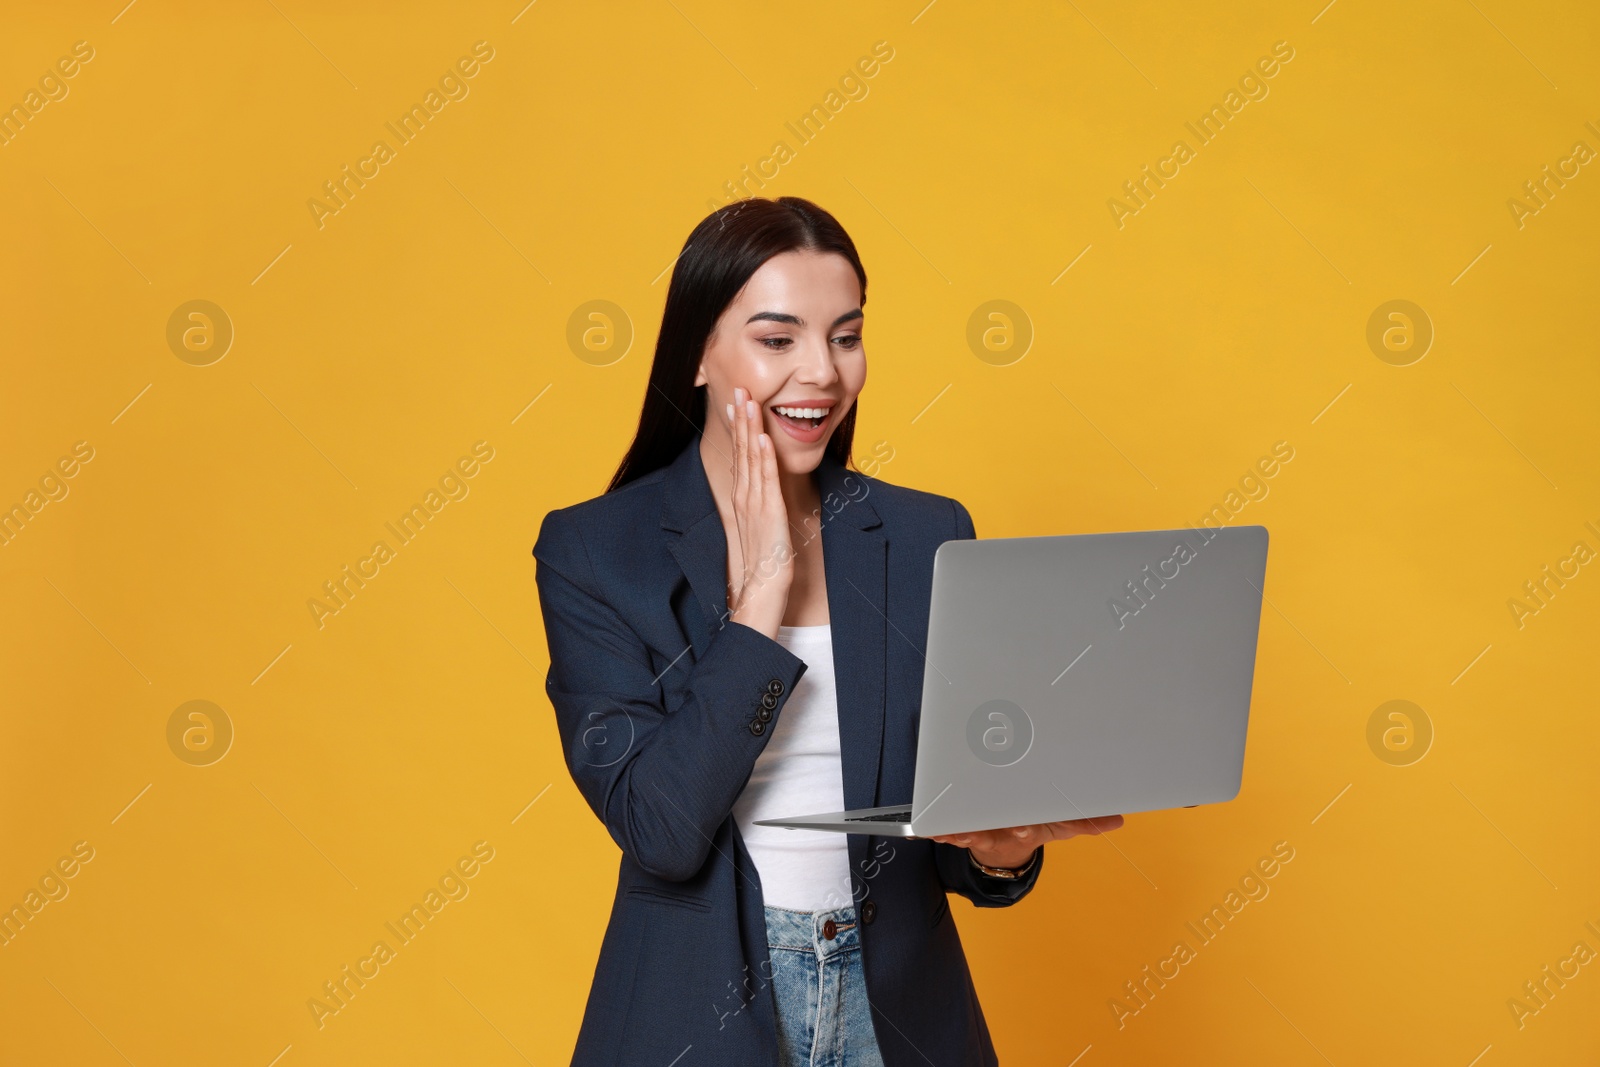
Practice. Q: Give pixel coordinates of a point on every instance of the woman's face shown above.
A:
(792, 340)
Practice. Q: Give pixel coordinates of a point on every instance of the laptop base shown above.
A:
(891, 821)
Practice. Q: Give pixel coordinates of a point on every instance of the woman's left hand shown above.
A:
(1012, 846)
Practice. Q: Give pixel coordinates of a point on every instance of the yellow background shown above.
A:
(1227, 315)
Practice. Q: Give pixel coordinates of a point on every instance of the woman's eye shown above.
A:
(775, 343)
(848, 341)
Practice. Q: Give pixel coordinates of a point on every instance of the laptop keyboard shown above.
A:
(891, 816)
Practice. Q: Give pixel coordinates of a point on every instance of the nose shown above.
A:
(816, 365)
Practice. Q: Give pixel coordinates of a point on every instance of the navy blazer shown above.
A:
(658, 698)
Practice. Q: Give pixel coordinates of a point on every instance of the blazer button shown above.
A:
(775, 687)
(869, 911)
(765, 715)
(758, 727)
(830, 929)
(769, 701)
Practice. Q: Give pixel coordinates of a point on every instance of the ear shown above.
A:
(700, 373)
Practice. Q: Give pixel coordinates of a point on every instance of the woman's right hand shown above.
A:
(760, 592)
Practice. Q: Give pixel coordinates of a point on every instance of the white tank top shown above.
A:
(799, 773)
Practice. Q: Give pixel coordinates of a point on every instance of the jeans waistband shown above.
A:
(805, 931)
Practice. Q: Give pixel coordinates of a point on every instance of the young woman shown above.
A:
(735, 633)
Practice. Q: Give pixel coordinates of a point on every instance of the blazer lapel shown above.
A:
(855, 558)
(688, 508)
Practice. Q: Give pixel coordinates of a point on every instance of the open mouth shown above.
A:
(801, 417)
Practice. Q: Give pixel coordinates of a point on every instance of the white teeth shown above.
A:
(802, 413)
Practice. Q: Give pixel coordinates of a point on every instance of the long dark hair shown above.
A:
(728, 246)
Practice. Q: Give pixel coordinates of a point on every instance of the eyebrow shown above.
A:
(795, 320)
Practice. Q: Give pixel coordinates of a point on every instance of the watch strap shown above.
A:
(1005, 872)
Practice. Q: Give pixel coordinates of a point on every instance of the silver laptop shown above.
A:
(1077, 676)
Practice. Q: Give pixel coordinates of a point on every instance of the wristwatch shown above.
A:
(1005, 872)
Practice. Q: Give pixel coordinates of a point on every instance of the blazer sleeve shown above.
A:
(956, 871)
(662, 779)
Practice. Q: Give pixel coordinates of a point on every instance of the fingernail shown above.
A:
(730, 412)
(750, 408)
(1022, 831)
(738, 396)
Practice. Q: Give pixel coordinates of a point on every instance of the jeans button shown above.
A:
(829, 929)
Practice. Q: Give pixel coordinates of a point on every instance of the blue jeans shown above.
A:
(824, 1019)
